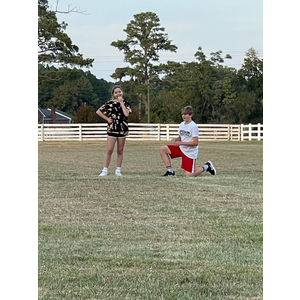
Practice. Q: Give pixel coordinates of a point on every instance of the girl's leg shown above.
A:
(110, 148)
(120, 148)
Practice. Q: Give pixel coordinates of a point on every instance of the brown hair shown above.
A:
(115, 87)
(188, 110)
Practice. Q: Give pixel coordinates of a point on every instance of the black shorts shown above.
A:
(116, 135)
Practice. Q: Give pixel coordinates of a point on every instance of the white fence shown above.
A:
(144, 131)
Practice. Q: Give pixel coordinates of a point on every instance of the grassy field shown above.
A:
(144, 236)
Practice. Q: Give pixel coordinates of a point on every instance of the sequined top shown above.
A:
(114, 110)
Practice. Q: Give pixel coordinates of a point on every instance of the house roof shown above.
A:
(60, 115)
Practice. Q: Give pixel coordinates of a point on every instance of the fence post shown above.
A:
(242, 132)
(228, 133)
(42, 132)
(158, 131)
(258, 132)
(250, 131)
(80, 132)
(168, 133)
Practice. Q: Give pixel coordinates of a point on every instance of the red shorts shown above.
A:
(187, 164)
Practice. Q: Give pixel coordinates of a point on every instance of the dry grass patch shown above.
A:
(143, 236)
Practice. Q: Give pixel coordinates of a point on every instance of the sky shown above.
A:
(232, 26)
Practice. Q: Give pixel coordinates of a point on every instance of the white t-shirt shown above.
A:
(187, 132)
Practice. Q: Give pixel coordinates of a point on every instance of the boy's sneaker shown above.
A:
(103, 173)
(118, 173)
(211, 169)
(169, 173)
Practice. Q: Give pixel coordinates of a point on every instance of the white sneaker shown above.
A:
(103, 173)
(118, 173)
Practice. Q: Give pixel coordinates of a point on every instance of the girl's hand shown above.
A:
(109, 120)
(120, 99)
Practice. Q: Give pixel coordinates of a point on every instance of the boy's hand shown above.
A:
(175, 142)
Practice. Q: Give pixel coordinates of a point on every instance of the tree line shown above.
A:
(157, 91)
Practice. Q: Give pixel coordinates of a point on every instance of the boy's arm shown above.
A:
(178, 139)
(178, 142)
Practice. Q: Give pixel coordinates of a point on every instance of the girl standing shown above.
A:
(115, 112)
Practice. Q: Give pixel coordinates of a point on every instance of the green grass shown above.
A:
(143, 236)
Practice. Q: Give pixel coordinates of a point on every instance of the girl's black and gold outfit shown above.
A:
(119, 126)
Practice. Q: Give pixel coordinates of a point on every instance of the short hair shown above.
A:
(188, 110)
(115, 87)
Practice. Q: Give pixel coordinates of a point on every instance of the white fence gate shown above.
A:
(145, 131)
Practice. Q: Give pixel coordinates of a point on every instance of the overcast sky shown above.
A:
(232, 26)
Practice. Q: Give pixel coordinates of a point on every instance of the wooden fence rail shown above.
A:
(145, 131)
